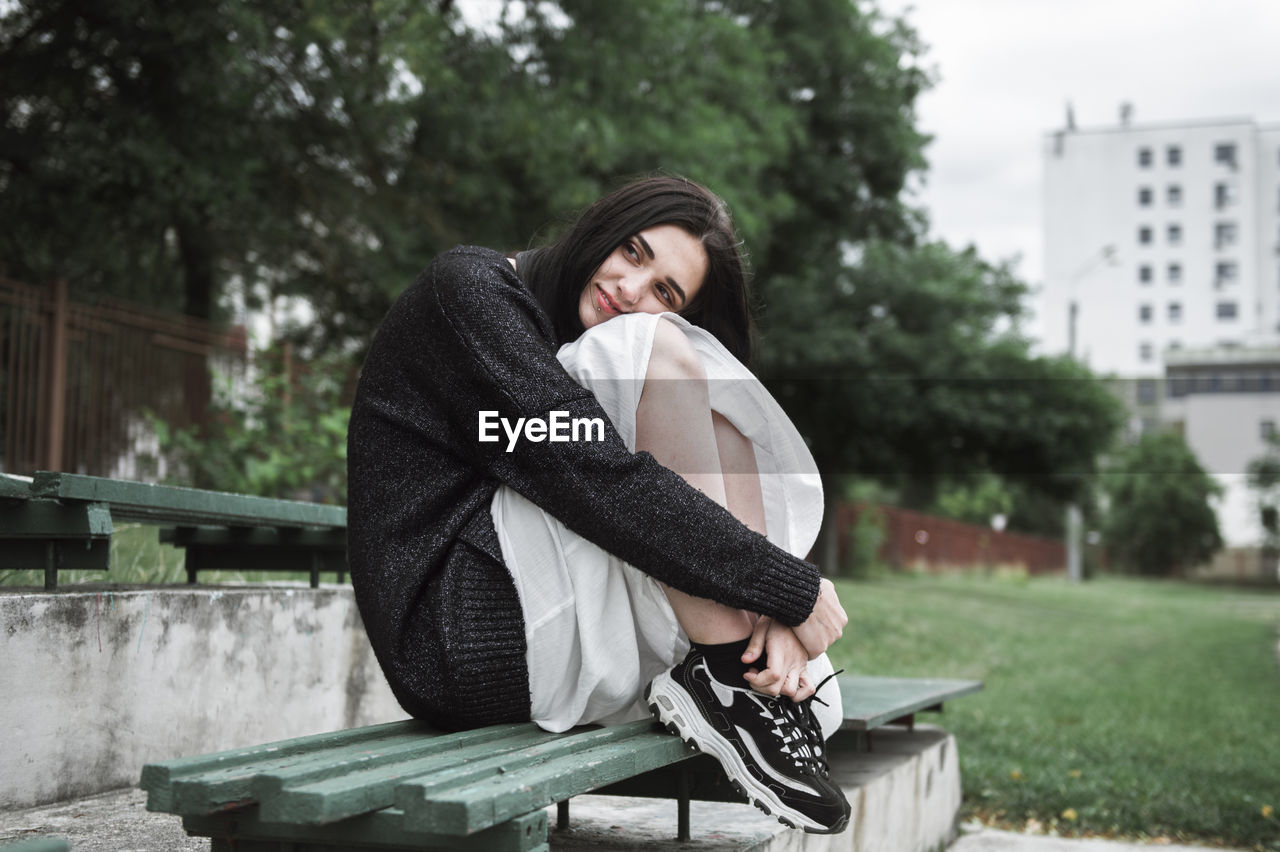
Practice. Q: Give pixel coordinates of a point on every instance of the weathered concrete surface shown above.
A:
(93, 684)
(109, 822)
(904, 795)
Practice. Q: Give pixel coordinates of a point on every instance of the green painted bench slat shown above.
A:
(158, 778)
(14, 487)
(39, 844)
(373, 784)
(67, 555)
(473, 798)
(870, 702)
(247, 538)
(265, 781)
(169, 504)
(46, 519)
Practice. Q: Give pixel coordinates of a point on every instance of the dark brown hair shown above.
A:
(558, 273)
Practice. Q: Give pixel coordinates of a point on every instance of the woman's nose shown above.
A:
(629, 290)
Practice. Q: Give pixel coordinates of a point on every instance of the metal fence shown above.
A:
(77, 381)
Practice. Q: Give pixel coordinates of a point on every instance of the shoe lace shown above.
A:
(798, 731)
(808, 725)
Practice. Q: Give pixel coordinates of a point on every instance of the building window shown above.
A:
(1227, 310)
(1144, 235)
(1175, 344)
(1226, 272)
(1144, 274)
(1144, 351)
(1224, 194)
(1146, 391)
(1267, 429)
(1224, 153)
(1144, 313)
(1175, 312)
(1144, 158)
(1175, 235)
(1174, 273)
(1173, 195)
(1224, 234)
(1144, 196)
(1173, 155)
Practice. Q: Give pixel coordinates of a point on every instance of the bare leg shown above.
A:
(674, 423)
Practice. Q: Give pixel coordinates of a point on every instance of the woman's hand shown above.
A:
(787, 673)
(825, 624)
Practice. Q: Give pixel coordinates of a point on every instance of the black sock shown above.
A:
(725, 661)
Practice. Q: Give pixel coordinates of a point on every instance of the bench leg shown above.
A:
(682, 806)
(51, 566)
(562, 815)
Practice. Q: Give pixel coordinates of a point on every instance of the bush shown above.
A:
(1160, 520)
(862, 560)
(284, 436)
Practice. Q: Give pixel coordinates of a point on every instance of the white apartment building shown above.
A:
(1162, 262)
(1158, 237)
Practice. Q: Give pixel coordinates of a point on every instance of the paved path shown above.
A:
(991, 840)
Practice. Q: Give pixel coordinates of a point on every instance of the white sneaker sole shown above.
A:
(673, 707)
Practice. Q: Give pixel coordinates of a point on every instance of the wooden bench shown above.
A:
(61, 521)
(404, 785)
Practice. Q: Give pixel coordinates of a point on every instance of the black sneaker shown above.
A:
(761, 742)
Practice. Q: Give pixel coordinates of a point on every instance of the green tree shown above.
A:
(1160, 519)
(156, 152)
(907, 367)
(1264, 480)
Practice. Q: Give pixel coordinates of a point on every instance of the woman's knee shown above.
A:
(673, 356)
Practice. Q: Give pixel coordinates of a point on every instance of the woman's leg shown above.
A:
(674, 423)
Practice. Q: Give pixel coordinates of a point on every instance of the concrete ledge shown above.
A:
(100, 680)
(905, 797)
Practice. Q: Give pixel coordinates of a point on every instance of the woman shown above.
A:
(474, 341)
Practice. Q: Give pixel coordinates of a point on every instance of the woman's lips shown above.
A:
(606, 304)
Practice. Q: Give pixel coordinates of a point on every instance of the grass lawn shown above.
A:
(1114, 707)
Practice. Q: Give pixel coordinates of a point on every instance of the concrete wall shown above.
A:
(93, 684)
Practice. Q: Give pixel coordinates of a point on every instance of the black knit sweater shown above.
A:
(438, 603)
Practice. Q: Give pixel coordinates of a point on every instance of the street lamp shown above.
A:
(1075, 521)
(1105, 255)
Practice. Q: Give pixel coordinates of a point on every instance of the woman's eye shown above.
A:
(630, 249)
(665, 294)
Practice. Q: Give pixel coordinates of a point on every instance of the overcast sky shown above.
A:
(1007, 68)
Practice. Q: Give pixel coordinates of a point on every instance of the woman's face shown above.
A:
(659, 269)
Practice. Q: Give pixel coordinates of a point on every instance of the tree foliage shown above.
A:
(330, 149)
(1263, 477)
(1160, 519)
